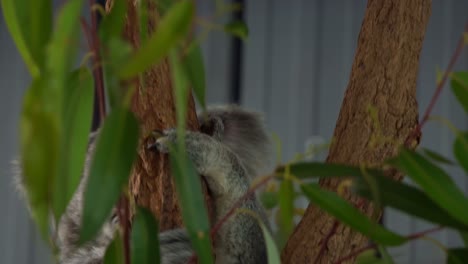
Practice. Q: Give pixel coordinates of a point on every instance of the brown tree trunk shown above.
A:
(383, 77)
(151, 185)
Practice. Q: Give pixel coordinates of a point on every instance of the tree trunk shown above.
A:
(383, 78)
(151, 185)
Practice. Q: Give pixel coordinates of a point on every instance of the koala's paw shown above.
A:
(163, 140)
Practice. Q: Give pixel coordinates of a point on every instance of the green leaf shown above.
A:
(195, 69)
(39, 28)
(144, 239)
(407, 199)
(16, 25)
(457, 255)
(310, 170)
(77, 116)
(437, 157)
(143, 19)
(118, 51)
(370, 256)
(435, 182)
(460, 149)
(114, 253)
(109, 171)
(286, 210)
(163, 5)
(237, 28)
(39, 152)
(272, 251)
(112, 24)
(269, 199)
(349, 215)
(173, 27)
(61, 52)
(192, 204)
(459, 85)
(181, 92)
(464, 236)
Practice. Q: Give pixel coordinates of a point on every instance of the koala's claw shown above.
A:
(162, 140)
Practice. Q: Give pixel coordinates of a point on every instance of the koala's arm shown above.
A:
(240, 238)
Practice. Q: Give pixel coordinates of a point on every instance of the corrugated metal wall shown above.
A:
(295, 68)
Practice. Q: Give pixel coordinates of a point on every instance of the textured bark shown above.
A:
(383, 76)
(151, 185)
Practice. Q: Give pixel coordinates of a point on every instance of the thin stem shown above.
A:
(373, 246)
(440, 86)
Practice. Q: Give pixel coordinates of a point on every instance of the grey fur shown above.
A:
(232, 149)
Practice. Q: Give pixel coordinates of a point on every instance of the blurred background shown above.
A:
(294, 68)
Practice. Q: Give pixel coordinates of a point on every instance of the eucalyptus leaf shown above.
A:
(77, 116)
(195, 69)
(459, 85)
(272, 250)
(173, 27)
(269, 199)
(145, 238)
(17, 25)
(39, 27)
(39, 136)
(192, 204)
(349, 215)
(110, 168)
(457, 256)
(460, 149)
(408, 199)
(237, 28)
(113, 22)
(437, 157)
(312, 170)
(286, 209)
(435, 182)
(114, 252)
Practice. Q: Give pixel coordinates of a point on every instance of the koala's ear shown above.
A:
(212, 126)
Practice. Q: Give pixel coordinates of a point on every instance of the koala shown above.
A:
(231, 149)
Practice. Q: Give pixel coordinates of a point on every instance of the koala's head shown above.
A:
(243, 132)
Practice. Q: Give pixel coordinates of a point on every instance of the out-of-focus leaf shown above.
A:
(349, 215)
(40, 27)
(370, 257)
(272, 251)
(110, 169)
(457, 256)
(118, 51)
(180, 81)
(436, 183)
(436, 156)
(143, 19)
(145, 242)
(195, 69)
(16, 24)
(173, 27)
(407, 199)
(286, 209)
(459, 85)
(269, 199)
(163, 5)
(192, 204)
(306, 170)
(237, 28)
(386, 258)
(460, 149)
(61, 51)
(77, 115)
(114, 253)
(112, 24)
(464, 236)
(39, 152)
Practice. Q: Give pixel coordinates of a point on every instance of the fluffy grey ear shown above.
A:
(18, 182)
(243, 132)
